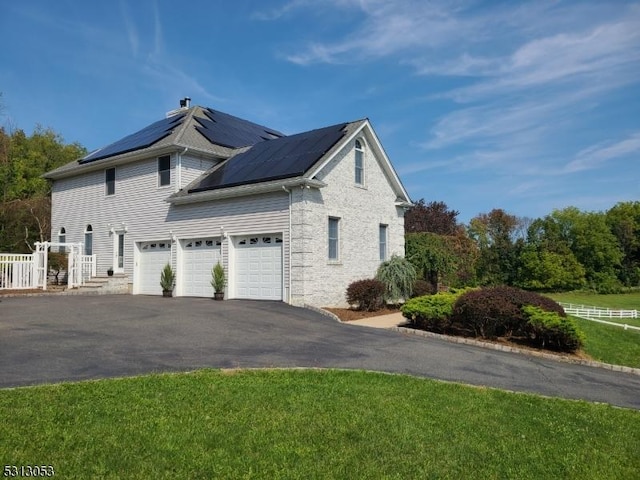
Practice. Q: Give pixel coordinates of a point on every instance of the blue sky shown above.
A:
(525, 106)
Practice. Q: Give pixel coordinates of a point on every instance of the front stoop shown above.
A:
(103, 285)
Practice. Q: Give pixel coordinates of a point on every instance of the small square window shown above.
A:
(164, 171)
(334, 238)
(110, 181)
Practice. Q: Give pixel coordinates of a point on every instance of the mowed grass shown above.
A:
(610, 344)
(607, 343)
(311, 425)
(622, 301)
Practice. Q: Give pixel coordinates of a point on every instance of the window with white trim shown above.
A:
(110, 181)
(88, 240)
(334, 238)
(359, 163)
(62, 238)
(164, 171)
(382, 241)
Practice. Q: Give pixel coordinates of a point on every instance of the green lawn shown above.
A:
(311, 424)
(623, 301)
(611, 344)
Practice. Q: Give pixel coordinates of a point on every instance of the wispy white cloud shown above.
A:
(597, 155)
(132, 32)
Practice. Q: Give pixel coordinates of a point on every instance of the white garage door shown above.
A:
(199, 257)
(258, 267)
(153, 257)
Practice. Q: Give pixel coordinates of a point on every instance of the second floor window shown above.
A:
(359, 171)
(110, 181)
(164, 171)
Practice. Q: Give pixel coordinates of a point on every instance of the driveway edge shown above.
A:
(524, 351)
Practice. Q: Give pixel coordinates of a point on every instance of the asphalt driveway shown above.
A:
(67, 338)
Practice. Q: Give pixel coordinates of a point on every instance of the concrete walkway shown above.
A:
(381, 321)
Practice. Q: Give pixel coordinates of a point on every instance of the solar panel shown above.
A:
(274, 159)
(232, 132)
(136, 141)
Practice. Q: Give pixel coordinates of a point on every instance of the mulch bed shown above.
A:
(348, 314)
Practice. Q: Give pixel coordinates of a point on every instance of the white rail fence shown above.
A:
(17, 271)
(28, 271)
(596, 314)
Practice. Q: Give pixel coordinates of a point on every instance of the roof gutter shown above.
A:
(243, 190)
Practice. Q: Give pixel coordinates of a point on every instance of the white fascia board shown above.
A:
(245, 190)
(386, 163)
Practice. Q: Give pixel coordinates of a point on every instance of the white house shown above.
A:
(292, 218)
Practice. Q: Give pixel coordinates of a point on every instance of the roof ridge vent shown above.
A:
(185, 104)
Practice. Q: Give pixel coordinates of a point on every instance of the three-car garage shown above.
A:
(254, 269)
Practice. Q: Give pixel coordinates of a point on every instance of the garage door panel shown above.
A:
(198, 258)
(258, 267)
(153, 257)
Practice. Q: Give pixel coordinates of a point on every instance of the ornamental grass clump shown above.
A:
(398, 276)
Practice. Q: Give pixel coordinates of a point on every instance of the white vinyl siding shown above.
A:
(141, 209)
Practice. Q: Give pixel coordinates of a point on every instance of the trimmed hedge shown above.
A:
(366, 294)
(497, 311)
(550, 330)
(430, 312)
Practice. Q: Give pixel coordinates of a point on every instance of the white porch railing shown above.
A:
(17, 271)
(596, 314)
(25, 271)
(87, 266)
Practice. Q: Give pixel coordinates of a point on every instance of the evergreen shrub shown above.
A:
(366, 294)
(551, 331)
(497, 311)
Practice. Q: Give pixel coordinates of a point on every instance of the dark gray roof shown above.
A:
(139, 140)
(218, 128)
(233, 132)
(274, 159)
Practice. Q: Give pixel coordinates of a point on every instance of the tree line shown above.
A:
(567, 249)
(25, 197)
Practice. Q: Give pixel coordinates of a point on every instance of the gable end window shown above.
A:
(110, 181)
(164, 171)
(333, 238)
(359, 164)
(382, 235)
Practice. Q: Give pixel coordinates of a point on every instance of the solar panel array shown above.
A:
(232, 132)
(274, 159)
(139, 140)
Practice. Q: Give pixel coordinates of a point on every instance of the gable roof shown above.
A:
(253, 157)
(283, 157)
(206, 131)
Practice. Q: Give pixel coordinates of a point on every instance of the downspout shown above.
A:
(290, 203)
